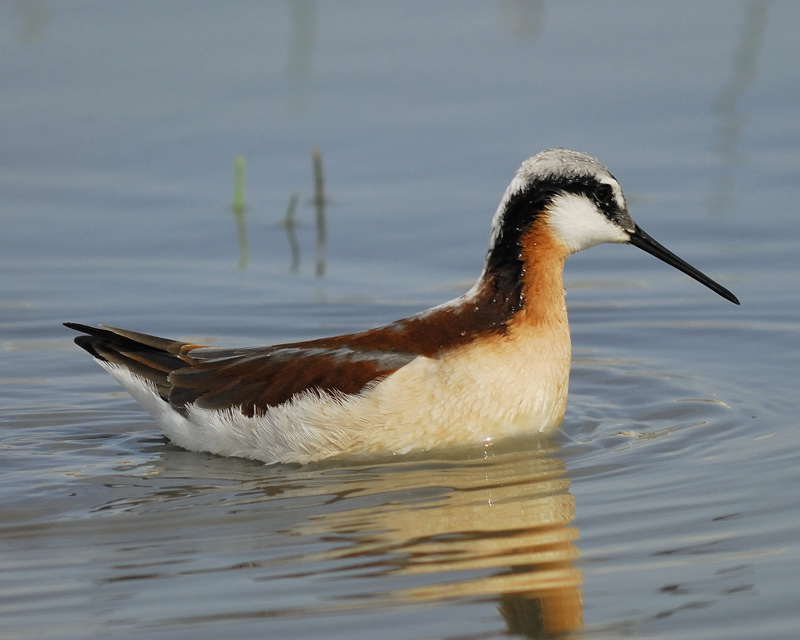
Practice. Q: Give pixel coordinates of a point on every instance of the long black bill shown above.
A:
(642, 240)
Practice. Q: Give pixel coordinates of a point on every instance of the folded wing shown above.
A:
(252, 379)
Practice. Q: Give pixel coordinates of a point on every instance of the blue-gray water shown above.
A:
(667, 508)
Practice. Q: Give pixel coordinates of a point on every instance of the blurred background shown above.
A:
(246, 173)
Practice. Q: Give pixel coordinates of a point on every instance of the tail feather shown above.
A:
(148, 356)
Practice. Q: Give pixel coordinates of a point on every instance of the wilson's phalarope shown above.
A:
(491, 363)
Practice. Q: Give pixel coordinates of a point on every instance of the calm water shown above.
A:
(668, 507)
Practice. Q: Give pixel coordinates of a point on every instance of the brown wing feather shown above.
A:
(257, 378)
(251, 378)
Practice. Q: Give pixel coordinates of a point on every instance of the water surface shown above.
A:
(665, 507)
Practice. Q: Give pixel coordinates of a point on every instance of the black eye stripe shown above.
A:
(601, 193)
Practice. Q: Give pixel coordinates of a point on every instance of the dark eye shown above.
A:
(605, 194)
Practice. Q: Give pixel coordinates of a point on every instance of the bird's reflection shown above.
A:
(496, 528)
(485, 525)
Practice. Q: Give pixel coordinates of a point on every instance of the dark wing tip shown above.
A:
(147, 356)
(90, 338)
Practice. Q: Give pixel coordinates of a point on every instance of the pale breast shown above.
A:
(490, 389)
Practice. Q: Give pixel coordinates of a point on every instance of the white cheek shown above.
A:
(577, 222)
